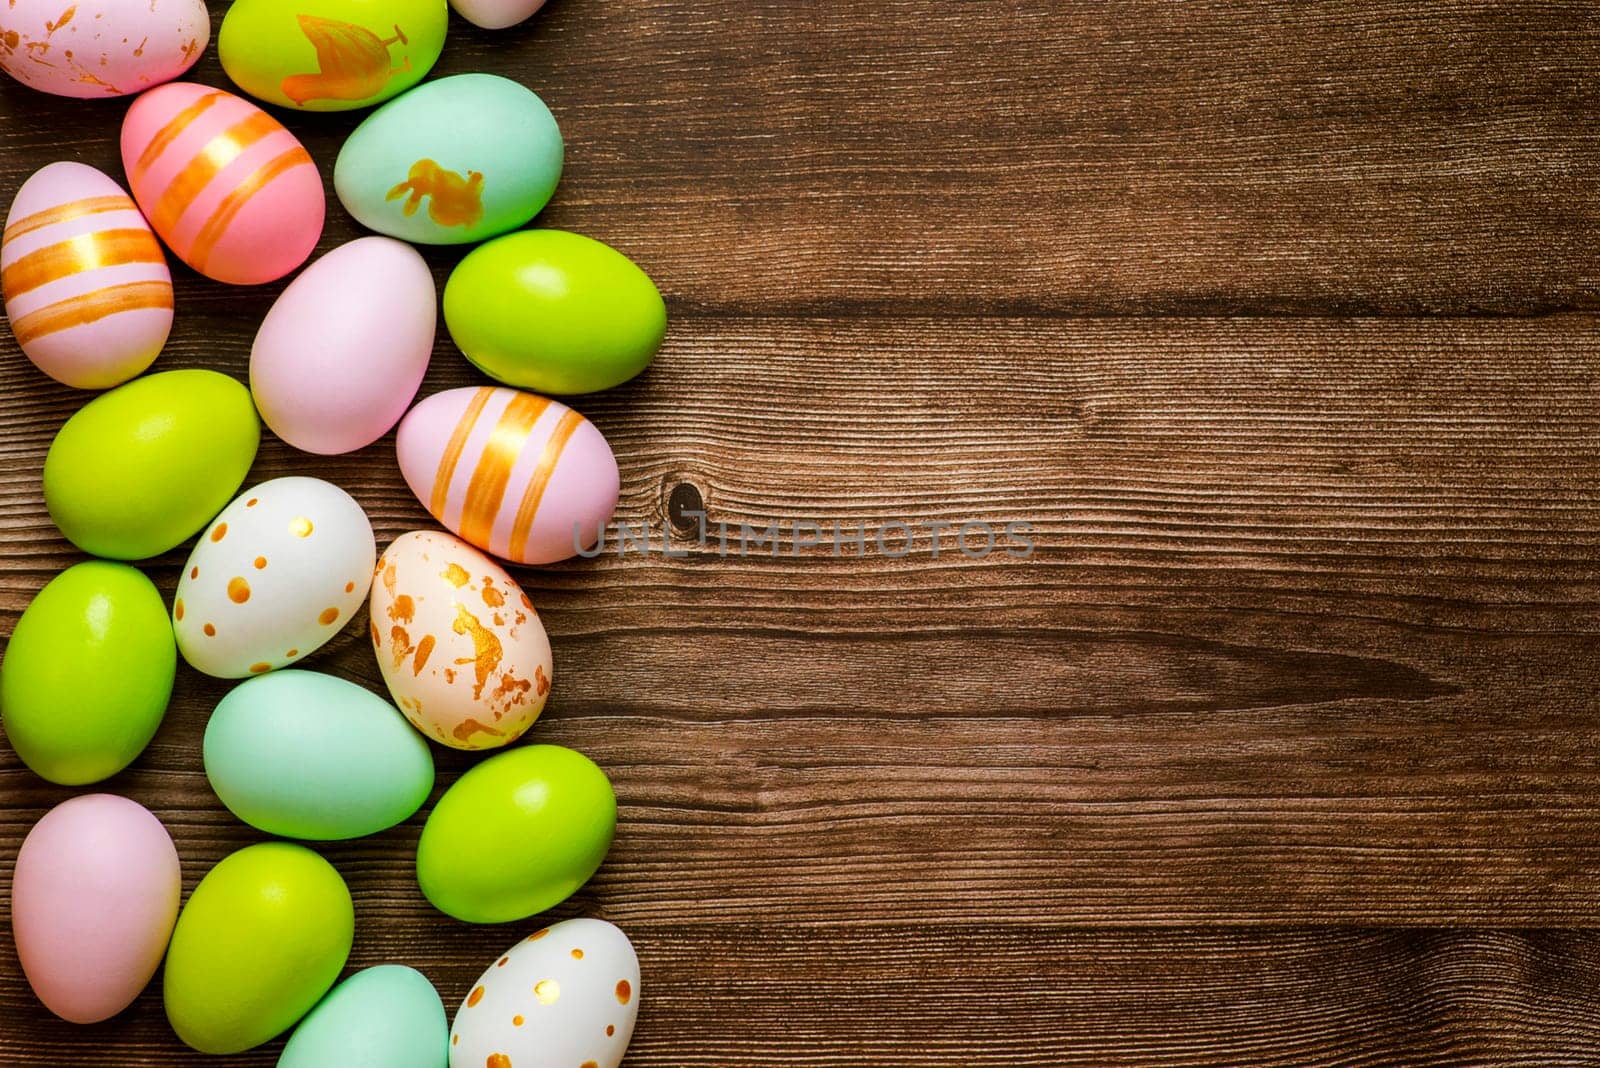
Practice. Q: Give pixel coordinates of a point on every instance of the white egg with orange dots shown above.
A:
(87, 289)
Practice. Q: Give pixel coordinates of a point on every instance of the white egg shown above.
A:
(565, 995)
(276, 575)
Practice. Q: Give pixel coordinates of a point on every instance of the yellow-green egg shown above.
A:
(330, 55)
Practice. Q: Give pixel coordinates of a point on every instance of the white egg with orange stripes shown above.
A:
(87, 289)
(519, 476)
(228, 189)
(275, 576)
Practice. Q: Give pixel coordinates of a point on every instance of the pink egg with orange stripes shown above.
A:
(520, 476)
(229, 190)
(86, 286)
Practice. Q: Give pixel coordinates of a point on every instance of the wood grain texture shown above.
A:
(1307, 637)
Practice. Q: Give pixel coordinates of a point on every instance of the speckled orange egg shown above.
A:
(458, 641)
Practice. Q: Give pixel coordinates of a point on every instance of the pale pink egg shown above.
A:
(496, 14)
(459, 644)
(86, 287)
(93, 903)
(341, 353)
(100, 48)
(518, 475)
(229, 190)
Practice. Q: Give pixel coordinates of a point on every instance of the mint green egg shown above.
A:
(384, 1017)
(452, 161)
(142, 468)
(516, 834)
(88, 673)
(554, 312)
(305, 755)
(258, 943)
(330, 55)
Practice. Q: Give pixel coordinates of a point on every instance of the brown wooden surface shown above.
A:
(1281, 749)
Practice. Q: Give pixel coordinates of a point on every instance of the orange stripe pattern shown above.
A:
(488, 486)
(452, 451)
(198, 173)
(570, 421)
(171, 132)
(100, 248)
(92, 306)
(206, 241)
(77, 209)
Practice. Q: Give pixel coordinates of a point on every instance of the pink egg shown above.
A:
(93, 903)
(86, 287)
(100, 48)
(496, 14)
(518, 475)
(341, 353)
(224, 184)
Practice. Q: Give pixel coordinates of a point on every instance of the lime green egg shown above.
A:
(330, 55)
(88, 673)
(259, 942)
(516, 834)
(138, 470)
(554, 312)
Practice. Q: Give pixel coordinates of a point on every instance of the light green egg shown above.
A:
(259, 942)
(554, 312)
(88, 673)
(517, 834)
(330, 55)
(304, 755)
(139, 469)
(453, 161)
(384, 1017)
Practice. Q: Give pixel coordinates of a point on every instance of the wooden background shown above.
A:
(1275, 320)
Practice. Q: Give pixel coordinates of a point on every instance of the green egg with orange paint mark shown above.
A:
(516, 835)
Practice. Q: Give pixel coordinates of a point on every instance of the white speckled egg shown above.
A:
(100, 48)
(566, 995)
(458, 641)
(277, 574)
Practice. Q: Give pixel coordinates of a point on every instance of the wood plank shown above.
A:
(780, 994)
(1045, 156)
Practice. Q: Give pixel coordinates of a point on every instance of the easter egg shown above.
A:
(330, 55)
(281, 570)
(93, 901)
(341, 353)
(554, 312)
(520, 476)
(459, 644)
(88, 673)
(495, 14)
(86, 286)
(141, 468)
(228, 189)
(384, 1017)
(517, 834)
(100, 48)
(303, 755)
(453, 161)
(262, 938)
(566, 994)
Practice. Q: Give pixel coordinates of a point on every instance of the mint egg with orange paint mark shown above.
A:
(518, 475)
(517, 834)
(330, 55)
(278, 573)
(459, 643)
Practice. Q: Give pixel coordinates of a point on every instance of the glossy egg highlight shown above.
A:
(86, 285)
(342, 351)
(100, 48)
(567, 994)
(93, 901)
(458, 642)
(228, 189)
(278, 573)
(520, 476)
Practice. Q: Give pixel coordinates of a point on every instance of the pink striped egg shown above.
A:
(86, 287)
(100, 48)
(520, 476)
(224, 184)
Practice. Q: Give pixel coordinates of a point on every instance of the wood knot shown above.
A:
(685, 507)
